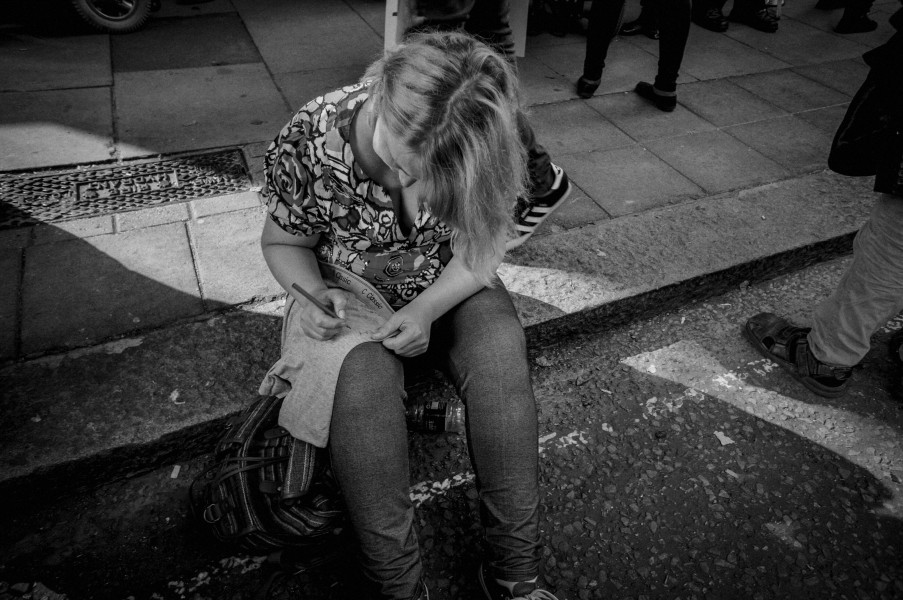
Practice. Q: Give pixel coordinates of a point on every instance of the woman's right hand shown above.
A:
(317, 324)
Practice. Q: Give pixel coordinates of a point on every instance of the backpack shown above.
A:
(268, 492)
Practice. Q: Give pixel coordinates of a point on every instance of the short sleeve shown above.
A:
(295, 201)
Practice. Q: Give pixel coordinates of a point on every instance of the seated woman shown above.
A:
(408, 179)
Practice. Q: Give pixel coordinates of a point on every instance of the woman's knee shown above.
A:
(370, 376)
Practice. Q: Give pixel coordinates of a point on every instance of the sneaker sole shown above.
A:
(537, 220)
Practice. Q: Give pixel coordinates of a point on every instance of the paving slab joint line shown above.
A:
(47, 482)
(195, 263)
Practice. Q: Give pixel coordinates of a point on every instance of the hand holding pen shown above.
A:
(318, 320)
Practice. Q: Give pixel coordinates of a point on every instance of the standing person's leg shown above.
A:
(856, 19)
(675, 29)
(369, 453)
(487, 361)
(604, 16)
(870, 292)
(549, 185)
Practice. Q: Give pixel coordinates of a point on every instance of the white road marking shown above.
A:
(426, 491)
(844, 432)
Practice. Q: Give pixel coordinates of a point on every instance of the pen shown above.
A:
(316, 302)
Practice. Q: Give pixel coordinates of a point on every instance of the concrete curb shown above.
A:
(93, 416)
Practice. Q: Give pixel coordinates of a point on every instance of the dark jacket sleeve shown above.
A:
(869, 141)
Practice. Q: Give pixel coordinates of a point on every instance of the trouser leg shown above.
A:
(487, 361)
(674, 29)
(870, 293)
(369, 453)
(604, 17)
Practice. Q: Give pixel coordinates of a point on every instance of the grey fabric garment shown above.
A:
(308, 370)
(870, 292)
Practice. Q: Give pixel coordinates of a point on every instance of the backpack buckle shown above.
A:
(212, 513)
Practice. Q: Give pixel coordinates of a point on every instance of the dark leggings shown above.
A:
(674, 29)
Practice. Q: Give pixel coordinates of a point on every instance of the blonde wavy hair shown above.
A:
(454, 102)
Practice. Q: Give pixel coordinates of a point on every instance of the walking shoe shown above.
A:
(776, 339)
(712, 19)
(759, 19)
(586, 87)
(531, 213)
(638, 26)
(665, 101)
(856, 24)
(523, 590)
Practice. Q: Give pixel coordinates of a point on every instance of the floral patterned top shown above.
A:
(314, 186)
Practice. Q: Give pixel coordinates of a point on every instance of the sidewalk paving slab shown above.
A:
(714, 56)
(844, 76)
(790, 91)
(191, 109)
(230, 263)
(574, 128)
(789, 141)
(29, 63)
(78, 291)
(723, 102)
(165, 44)
(55, 127)
(642, 121)
(628, 180)
(798, 43)
(826, 119)
(716, 162)
(295, 40)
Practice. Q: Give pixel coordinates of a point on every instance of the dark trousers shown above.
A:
(674, 29)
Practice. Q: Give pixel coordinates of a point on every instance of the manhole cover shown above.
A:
(47, 197)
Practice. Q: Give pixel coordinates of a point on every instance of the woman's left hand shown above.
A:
(406, 333)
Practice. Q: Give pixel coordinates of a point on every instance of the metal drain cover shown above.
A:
(47, 197)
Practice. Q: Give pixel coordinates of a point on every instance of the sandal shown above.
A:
(776, 339)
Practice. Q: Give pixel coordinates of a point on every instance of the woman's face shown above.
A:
(396, 155)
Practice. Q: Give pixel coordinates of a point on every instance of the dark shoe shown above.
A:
(531, 213)
(712, 19)
(858, 24)
(586, 88)
(648, 92)
(830, 4)
(757, 19)
(776, 339)
(492, 590)
(637, 27)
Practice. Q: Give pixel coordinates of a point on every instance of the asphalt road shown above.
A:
(675, 463)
